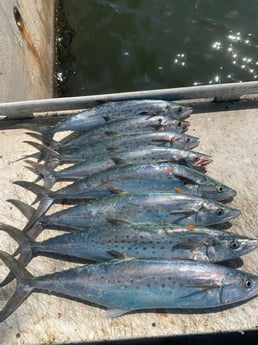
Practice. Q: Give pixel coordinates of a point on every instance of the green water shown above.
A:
(131, 45)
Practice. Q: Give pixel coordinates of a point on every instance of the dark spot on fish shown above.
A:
(162, 247)
(148, 285)
(163, 285)
(153, 277)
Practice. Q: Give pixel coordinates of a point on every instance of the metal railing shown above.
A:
(217, 92)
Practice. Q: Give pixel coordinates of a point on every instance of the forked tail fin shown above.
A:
(25, 209)
(42, 170)
(23, 288)
(25, 249)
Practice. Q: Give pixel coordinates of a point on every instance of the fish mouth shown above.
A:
(202, 161)
(232, 214)
(185, 114)
(195, 142)
(250, 245)
(184, 125)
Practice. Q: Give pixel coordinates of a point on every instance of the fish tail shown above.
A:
(25, 248)
(25, 209)
(48, 175)
(33, 228)
(41, 192)
(46, 153)
(54, 145)
(47, 132)
(19, 236)
(23, 287)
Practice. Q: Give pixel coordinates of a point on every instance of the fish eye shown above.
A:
(179, 109)
(179, 125)
(220, 212)
(187, 140)
(234, 244)
(196, 159)
(248, 283)
(219, 188)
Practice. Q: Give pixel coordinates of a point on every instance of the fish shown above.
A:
(109, 111)
(126, 143)
(118, 142)
(141, 177)
(160, 208)
(101, 162)
(132, 125)
(130, 285)
(144, 241)
(122, 143)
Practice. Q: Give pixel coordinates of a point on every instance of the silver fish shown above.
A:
(109, 111)
(133, 141)
(136, 284)
(155, 177)
(132, 125)
(160, 208)
(145, 241)
(95, 164)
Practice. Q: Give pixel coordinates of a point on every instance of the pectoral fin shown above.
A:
(116, 190)
(119, 255)
(118, 161)
(111, 133)
(117, 221)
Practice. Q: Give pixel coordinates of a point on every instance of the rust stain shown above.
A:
(26, 35)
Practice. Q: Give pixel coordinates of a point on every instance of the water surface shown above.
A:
(126, 45)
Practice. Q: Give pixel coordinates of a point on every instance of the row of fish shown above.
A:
(143, 205)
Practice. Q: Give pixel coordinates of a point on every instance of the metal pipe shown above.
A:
(225, 92)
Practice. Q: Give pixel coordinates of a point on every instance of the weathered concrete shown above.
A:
(229, 133)
(26, 49)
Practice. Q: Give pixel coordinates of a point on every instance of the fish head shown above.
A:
(196, 160)
(184, 142)
(227, 247)
(238, 286)
(173, 124)
(178, 111)
(211, 213)
(215, 190)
